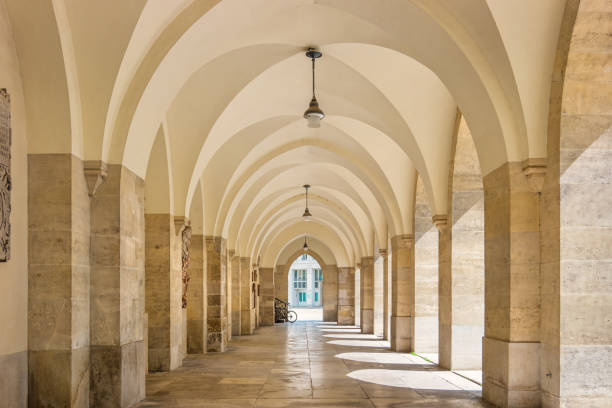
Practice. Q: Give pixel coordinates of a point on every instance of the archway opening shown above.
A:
(305, 288)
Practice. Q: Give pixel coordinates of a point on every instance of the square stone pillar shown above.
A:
(236, 284)
(117, 290)
(445, 310)
(228, 291)
(346, 296)
(281, 282)
(247, 315)
(384, 254)
(267, 296)
(216, 290)
(402, 296)
(511, 362)
(163, 290)
(58, 282)
(197, 306)
(366, 290)
(330, 293)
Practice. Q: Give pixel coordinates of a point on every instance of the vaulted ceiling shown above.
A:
(204, 99)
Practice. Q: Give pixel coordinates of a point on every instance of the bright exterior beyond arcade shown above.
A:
(305, 282)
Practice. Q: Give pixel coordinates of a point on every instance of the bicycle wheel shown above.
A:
(291, 316)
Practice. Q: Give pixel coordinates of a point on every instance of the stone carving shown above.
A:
(186, 242)
(5, 176)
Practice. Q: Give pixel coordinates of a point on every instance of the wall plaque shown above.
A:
(5, 176)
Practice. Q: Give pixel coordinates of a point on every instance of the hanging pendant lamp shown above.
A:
(313, 114)
(305, 244)
(307, 215)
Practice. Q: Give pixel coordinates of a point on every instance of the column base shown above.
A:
(236, 323)
(117, 374)
(346, 315)
(511, 373)
(402, 333)
(246, 328)
(367, 321)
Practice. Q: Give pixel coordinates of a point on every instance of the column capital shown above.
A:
(534, 170)
(180, 221)
(440, 221)
(231, 252)
(95, 174)
(403, 241)
(383, 252)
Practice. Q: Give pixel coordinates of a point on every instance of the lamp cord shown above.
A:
(313, 78)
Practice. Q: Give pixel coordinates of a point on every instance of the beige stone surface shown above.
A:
(236, 288)
(346, 296)
(267, 296)
(59, 275)
(117, 289)
(216, 275)
(366, 291)
(330, 293)
(402, 295)
(196, 298)
(425, 275)
(247, 316)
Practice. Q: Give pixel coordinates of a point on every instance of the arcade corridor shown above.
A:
(309, 364)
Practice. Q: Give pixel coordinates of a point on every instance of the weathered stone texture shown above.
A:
(346, 296)
(402, 296)
(247, 316)
(14, 379)
(216, 294)
(267, 296)
(196, 297)
(366, 291)
(236, 288)
(330, 293)
(117, 290)
(425, 275)
(59, 275)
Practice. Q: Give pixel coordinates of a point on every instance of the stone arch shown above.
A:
(576, 228)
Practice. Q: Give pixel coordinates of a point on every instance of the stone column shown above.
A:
(228, 291)
(162, 292)
(402, 296)
(58, 281)
(512, 290)
(281, 282)
(445, 310)
(196, 298)
(267, 296)
(216, 290)
(425, 277)
(366, 290)
(235, 266)
(330, 293)
(384, 254)
(346, 296)
(247, 316)
(117, 290)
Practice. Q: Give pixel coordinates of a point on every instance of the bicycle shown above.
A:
(282, 313)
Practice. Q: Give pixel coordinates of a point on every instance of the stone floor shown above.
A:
(309, 364)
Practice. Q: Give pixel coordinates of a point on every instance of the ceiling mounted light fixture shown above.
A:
(307, 215)
(313, 114)
(305, 244)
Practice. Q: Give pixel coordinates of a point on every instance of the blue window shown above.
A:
(316, 296)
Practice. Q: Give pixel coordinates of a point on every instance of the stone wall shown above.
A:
(366, 292)
(378, 290)
(425, 275)
(267, 296)
(346, 296)
(576, 331)
(59, 275)
(117, 290)
(216, 294)
(247, 315)
(402, 295)
(14, 273)
(196, 297)
(330, 293)
(236, 284)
